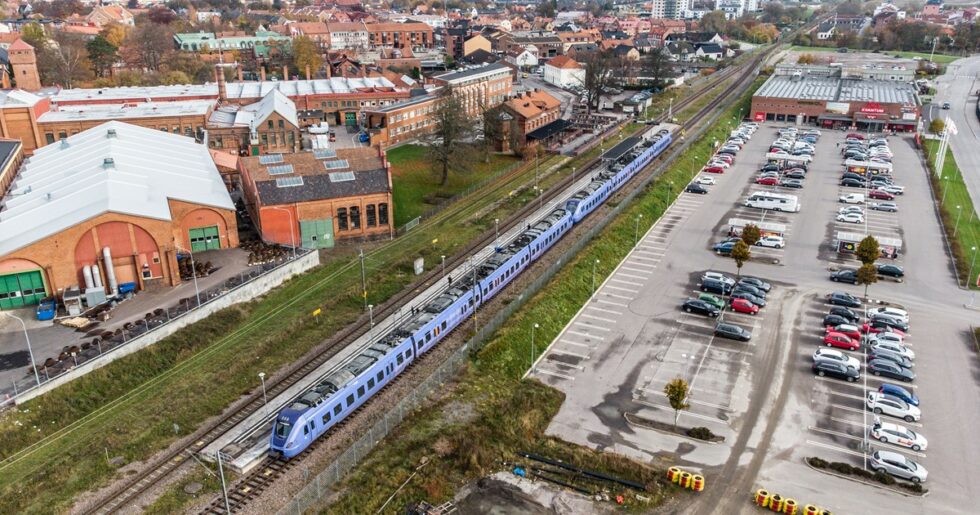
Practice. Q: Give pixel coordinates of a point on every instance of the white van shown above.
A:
(852, 198)
(773, 201)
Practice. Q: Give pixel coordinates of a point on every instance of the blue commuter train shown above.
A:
(345, 390)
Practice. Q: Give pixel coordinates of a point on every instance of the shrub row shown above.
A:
(850, 470)
(701, 433)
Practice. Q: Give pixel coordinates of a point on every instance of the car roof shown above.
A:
(891, 455)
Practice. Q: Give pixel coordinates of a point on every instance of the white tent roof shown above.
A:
(134, 172)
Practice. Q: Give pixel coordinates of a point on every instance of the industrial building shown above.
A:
(833, 97)
(107, 208)
(312, 199)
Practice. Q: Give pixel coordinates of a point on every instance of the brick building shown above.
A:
(117, 201)
(400, 35)
(531, 110)
(270, 125)
(313, 199)
(187, 118)
(19, 111)
(24, 63)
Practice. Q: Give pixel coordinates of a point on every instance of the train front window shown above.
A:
(282, 429)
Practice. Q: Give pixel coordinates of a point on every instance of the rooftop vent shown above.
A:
(48, 196)
(108, 163)
(64, 143)
(111, 133)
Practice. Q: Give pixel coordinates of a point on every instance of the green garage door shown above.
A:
(316, 234)
(21, 289)
(205, 238)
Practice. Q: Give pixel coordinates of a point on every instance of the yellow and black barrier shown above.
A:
(776, 503)
(686, 479)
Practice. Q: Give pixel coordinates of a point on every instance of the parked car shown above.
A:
(732, 332)
(893, 271)
(892, 189)
(832, 339)
(879, 353)
(845, 312)
(744, 306)
(886, 432)
(838, 370)
(894, 390)
(724, 248)
(712, 299)
(897, 348)
(849, 330)
(890, 369)
(845, 275)
(894, 323)
(880, 195)
(840, 298)
(851, 218)
(878, 327)
(791, 183)
(713, 169)
(706, 181)
(718, 276)
(883, 403)
(886, 337)
(742, 294)
(832, 320)
(746, 287)
(850, 209)
(715, 286)
(852, 183)
(836, 356)
(696, 188)
(755, 281)
(770, 167)
(852, 198)
(889, 207)
(775, 242)
(898, 465)
(700, 307)
(896, 313)
(767, 181)
(795, 174)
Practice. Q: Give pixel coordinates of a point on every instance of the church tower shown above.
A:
(24, 63)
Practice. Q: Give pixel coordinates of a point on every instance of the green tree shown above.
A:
(751, 234)
(306, 53)
(714, 21)
(102, 54)
(546, 9)
(937, 125)
(740, 253)
(676, 391)
(868, 250)
(867, 275)
(446, 149)
(491, 128)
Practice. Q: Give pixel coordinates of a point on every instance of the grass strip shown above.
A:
(491, 413)
(957, 211)
(937, 58)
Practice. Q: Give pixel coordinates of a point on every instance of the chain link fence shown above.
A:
(321, 486)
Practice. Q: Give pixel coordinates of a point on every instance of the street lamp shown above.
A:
(292, 227)
(636, 230)
(942, 202)
(443, 266)
(197, 291)
(37, 377)
(573, 174)
(265, 400)
(959, 212)
(371, 314)
(533, 327)
(969, 276)
(496, 231)
(594, 263)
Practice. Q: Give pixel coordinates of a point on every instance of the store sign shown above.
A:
(759, 117)
(838, 107)
(872, 108)
(908, 116)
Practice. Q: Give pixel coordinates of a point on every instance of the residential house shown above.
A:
(531, 110)
(564, 72)
(523, 59)
(103, 15)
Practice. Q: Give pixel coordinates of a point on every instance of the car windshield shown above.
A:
(911, 464)
(282, 429)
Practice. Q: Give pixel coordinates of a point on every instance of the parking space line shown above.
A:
(611, 303)
(835, 448)
(592, 326)
(600, 338)
(569, 353)
(596, 308)
(683, 413)
(621, 288)
(577, 344)
(633, 276)
(655, 260)
(624, 297)
(698, 402)
(556, 374)
(835, 433)
(563, 364)
(624, 282)
(586, 315)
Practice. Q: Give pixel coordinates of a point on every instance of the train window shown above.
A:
(408, 353)
(435, 331)
(371, 383)
(471, 302)
(400, 359)
(428, 337)
(443, 324)
(381, 375)
(326, 418)
(360, 391)
(350, 400)
(337, 409)
(306, 430)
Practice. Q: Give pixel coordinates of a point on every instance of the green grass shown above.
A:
(511, 414)
(416, 187)
(938, 58)
(967, 228)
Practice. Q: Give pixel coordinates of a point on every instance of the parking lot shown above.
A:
(614, 358)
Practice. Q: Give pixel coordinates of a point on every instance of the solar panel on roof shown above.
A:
(280, 170)
(287, 182)
(333, 165)
(270, 159)
(324, 153)
(341, 176)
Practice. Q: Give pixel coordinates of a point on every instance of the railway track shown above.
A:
(270, 469)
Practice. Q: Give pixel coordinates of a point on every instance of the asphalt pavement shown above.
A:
(959, 86)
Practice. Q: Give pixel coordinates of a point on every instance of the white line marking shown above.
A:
(577, 344)
(605, 310)
(624, 297)
(640, 277)
(835, 448)
(624, 289)
(556, 374)
(683, 413)
(600, 338)
(592, 326)
(569, 353)
(611, 303)
(586, 315)
(624, 282)
(636, 270)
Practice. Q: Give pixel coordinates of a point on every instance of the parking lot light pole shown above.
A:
(594, 263)
(371, 314)
(959, 213)
(942, 201)
(37, 377)
(443, 266)
(496, 231)
(636, 230)
(969, 276)
(265, 400)
(866, 444)
(533, 327)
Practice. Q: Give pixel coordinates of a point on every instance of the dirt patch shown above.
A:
(504, 493)
(458, 412)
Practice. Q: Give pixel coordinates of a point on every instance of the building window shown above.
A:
(270, 124)
(49, 137)
(291, 137)
(383, 214)
(372, 220)
(355, 217)
(62, 135)
(265, 140)
(342, 219)
(281, 124)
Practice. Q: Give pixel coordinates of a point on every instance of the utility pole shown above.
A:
(224, 488)
(533, 327)
(360, 256)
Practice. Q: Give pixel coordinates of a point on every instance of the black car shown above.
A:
(732, 332)
(894, 357)
(891, 322)
(843, 312)
(883, 367)
(838, 370)
(839, 298)
(882, 326)
(845, 275)
(852, 183)
(715, 286)
(852, 175)
(755, 281)
(771, 167)
(746, 287)
(794, 175)
(749, 297)
(791, 183)
(834, 321)
(893, 271)
(696, 188)
(700, 307)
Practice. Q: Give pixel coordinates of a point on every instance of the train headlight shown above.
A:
(290, 444)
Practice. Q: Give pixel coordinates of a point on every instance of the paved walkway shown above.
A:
(958, 87)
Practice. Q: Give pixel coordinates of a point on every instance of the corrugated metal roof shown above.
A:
(809, 87)
(801, 88)
(124, 111)
(135, 172)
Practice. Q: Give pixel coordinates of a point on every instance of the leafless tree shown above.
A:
(598, 77)
(64, 60)
(447, 150)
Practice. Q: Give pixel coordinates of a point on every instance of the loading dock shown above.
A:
(21, 289)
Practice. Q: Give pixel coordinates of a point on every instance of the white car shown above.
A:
(892, 406)
(851, 218)
(886, 432)
(897, 313)
(773, 242)
(899, 466)
(707, 181)
(886, 337)
(719, 162)
(825, 354)
(850, 209)
(891, 346)
(892, 188)
(737, 140)
(718, 276)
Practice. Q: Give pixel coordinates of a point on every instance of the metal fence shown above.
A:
(320, 486)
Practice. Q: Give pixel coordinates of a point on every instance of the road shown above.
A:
(958, 86)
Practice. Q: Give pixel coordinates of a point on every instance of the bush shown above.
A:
(701, 433)
(843, 468)
(817, 462)
(884, 478)
(914, 487)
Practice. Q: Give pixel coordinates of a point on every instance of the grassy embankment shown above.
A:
(509, 414)
(937, 58)
(963, 220)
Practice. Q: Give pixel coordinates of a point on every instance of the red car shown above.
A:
(744, 306)
(713, 169)
(868, 328)
(767, 181)
(854, 135)
(835, 339)
(881, 194)
(851, 331)
(724, 157)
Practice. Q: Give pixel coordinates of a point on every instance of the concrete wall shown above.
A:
(245, 292)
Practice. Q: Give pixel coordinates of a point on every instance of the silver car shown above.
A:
(882, 403)
(899, 466)
(895, 347)
(836, 356)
